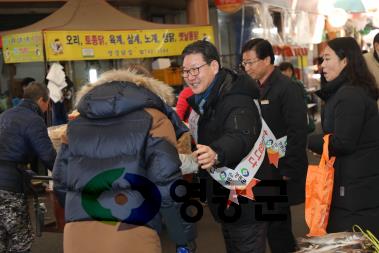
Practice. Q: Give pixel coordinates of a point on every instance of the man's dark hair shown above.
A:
(376, 39)
(35, 90)
(205, 48)
(26, 81)
(287, 65)
(262, 48)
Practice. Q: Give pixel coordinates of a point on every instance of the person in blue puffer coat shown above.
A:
(118, 165)
(23, 137)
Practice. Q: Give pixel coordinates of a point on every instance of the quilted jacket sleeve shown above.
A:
(59, 174)
(40, 142)
(163, 169)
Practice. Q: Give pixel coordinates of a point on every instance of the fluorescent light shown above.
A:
(257, 30)
(92, 75)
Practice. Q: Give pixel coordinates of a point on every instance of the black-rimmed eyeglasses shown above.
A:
(192, 71)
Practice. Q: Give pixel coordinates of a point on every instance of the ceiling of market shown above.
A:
(19, 13)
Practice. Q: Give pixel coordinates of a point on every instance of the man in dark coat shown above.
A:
(284, 110)
(227, 127)
(23, 135)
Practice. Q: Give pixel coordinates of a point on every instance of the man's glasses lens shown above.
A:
(192, 71)
(249, 63)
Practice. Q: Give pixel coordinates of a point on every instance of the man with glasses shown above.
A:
(227, 127)
(284, 110)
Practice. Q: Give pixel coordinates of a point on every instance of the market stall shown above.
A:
(93, 29)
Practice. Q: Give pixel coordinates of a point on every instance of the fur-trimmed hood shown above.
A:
(162, 90)
(118, 92)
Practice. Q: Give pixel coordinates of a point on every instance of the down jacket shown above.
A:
(230, 125)
(23, 136)
(121, 160)
(284, 111)
(351, 116)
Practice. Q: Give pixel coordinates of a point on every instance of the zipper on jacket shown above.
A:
(235, 122)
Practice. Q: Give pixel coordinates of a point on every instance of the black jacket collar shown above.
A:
(330, 88)
(271, 80)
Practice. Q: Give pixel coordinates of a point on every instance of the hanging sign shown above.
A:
(91, 45)
(229, 6)
(22, 47)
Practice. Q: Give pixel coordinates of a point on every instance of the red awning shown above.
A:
(289, 51)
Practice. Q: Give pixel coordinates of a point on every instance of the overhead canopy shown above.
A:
(93, 29)
(90, 15)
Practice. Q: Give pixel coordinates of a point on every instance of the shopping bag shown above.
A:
(318, 192)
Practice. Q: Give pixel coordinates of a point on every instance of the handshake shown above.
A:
(189, 164)
(204, 157)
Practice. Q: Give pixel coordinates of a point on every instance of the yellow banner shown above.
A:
(88, 45)
(302, 61)
(23, 47)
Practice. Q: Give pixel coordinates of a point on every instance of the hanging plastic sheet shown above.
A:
(302, 28)
(264, 27)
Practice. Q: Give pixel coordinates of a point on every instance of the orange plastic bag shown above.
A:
(318, 192)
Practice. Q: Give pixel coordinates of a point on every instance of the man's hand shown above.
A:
(206, 157)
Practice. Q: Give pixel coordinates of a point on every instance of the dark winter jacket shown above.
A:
(284, 111)
(121, 160)
(23, 136)
(230, 125)
(351, 116)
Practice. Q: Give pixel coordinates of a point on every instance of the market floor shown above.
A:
(209, 236)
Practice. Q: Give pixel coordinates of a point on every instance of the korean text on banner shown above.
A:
(23, 47)
(87, 45)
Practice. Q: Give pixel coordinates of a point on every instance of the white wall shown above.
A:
(31, 69)
(34, 69)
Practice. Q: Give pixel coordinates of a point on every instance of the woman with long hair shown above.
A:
(351, 117)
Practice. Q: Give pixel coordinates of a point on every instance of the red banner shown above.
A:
(289, 51)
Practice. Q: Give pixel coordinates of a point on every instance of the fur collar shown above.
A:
(165, 92)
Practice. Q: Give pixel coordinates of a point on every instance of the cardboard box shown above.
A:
(171, 76)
